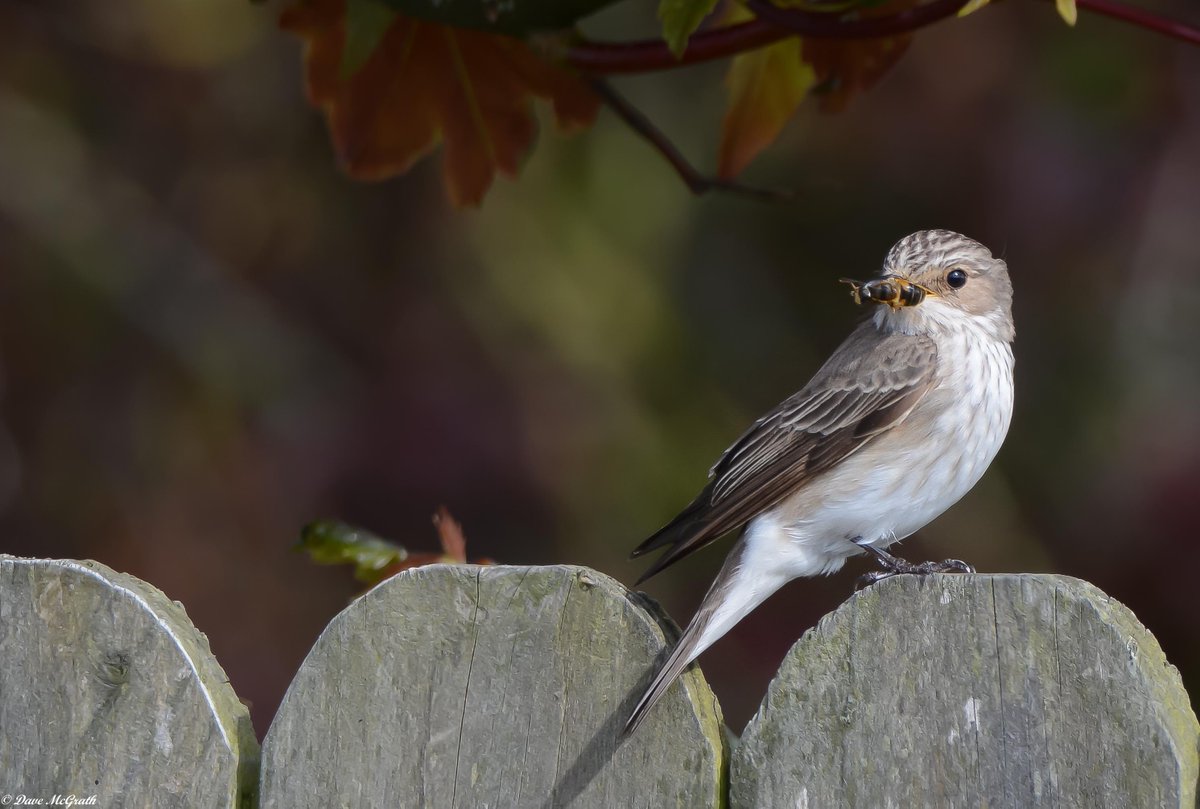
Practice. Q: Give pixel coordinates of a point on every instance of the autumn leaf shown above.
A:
(765, 87)
(331, 542)
(452, 540)
(680, 19)
(366, 23)
(450, 534)
(767, 84)
(423, 84)
(847, 67)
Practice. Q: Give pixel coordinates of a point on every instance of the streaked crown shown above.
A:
(962, 274)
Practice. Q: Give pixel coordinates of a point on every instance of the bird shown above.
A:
(898, 424)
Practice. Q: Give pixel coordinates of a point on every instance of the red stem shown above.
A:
(653, 54)
(774, 23)
(696, 182)
(832, 26)
(1143, 19)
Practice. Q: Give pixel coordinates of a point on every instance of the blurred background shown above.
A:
(209, 337)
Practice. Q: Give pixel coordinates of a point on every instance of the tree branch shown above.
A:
(1174, 29)
(774, 23)
(771, 24)
(696, 182)
(816, 25)
(644, 56)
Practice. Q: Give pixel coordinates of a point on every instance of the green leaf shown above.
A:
(1067, 10)
(680, 19)
(329, 542)
(366, 23)
(766, 85)
(971, 7)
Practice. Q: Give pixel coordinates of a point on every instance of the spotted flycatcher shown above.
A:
(896, 426)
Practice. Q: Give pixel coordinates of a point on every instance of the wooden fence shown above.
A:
(465, 686)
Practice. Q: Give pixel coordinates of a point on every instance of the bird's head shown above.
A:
(934, 280)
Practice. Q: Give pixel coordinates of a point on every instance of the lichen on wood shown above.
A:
(107, 689)
(997, 691)
(463, 686)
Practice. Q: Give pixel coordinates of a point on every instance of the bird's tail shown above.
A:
(691, 530)
(676, 663)
(674, 532)
(733, 594)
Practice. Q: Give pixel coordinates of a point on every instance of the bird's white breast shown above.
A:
(907, 476)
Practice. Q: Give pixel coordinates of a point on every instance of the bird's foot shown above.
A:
(895, 566)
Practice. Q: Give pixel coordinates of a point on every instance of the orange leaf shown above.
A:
(454, 547)
(765, 87)
(846, 67)
(450, 533)
(427, 83)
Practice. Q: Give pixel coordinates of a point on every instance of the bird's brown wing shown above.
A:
(868, 385)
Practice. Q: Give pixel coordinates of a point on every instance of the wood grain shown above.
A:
(972, 691)
(107, 689)
(466, 686)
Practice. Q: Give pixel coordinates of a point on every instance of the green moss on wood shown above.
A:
(970, 691)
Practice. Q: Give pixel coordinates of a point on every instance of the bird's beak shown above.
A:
(892, 290)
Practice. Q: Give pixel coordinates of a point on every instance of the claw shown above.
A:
(867, 579)
(895, 566)
(953, 566)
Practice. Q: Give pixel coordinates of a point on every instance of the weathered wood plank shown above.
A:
(973, 691)
(465, 686)
(107, 689)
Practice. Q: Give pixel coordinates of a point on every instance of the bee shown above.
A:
(891, 290)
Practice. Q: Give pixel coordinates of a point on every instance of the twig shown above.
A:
(644, 56)
(808, 24)
(833, 26)
(771, 24)
(696, 182)
(774, 23)
(1143, 19)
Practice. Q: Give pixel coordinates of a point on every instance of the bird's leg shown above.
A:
(894, 565)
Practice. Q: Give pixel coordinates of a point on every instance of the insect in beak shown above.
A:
(891, 290)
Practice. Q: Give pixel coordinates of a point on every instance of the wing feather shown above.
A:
(866, 387)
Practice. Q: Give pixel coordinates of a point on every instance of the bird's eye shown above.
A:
(957, 279)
